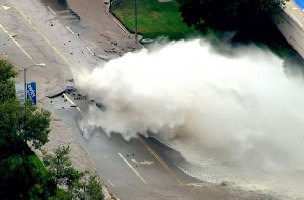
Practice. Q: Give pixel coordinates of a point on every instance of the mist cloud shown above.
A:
(241, 105)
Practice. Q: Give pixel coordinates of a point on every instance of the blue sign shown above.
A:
(31, 92)
(300, 3)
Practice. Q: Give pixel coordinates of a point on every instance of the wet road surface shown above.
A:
(142, 168)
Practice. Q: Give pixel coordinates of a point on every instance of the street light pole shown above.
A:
(25, 86)
(135, 1)
(24, 70)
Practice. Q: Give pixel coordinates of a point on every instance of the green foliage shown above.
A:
(92, 189)
(16, 122)
(6, 70)
(76, 183)
(252, 21)
(228, 14)
(61, 168)
(23, 175)
(154, 18)
(26, 125)
(36, 126)
(7, 86)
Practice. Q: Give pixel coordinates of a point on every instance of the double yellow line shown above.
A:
(177, 179)
(160, 160)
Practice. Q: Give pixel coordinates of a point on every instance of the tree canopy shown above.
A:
(228, 15)
(74, 184)
(23, 175)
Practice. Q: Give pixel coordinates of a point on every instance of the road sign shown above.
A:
(20, 91)
(31, 92)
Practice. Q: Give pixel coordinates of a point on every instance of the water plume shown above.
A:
(238, 108)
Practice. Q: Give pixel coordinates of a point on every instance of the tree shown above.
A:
(7, 86)
(23, 176)
(73, 183)
(16, 122)
(228, 15)
(61, 168)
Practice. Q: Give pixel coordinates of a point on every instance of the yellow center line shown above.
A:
(160, 160)
(41, 34)
(139, 176)
(68, 62)
(134, 170)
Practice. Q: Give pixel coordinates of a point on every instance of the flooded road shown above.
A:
(65, 38)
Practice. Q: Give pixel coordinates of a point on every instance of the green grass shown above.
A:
(154, 18)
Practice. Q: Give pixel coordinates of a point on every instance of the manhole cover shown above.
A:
(146, 40)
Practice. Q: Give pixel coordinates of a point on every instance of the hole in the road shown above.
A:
(63, 3)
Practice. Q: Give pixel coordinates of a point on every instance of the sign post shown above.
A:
(20, 91)
(31, 92)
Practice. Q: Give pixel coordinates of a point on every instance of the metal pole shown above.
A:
(135, 21)
(24, 85)
(24, 100)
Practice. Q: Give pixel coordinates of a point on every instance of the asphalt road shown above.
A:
(141, 168)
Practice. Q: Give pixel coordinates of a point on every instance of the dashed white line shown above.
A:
(90, 51)
(111, 183)
(50, 9)
(75, 105)
(70, 30)
(134, 170)
(18, 45)
(41, 34)
(5, 7)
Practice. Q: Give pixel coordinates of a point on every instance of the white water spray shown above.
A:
(239, 110)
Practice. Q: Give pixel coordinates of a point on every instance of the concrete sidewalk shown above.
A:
(292, 26)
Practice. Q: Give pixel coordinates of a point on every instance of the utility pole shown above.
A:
(25, 87)
(136, 40)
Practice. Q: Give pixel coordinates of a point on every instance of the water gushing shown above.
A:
(236, 113)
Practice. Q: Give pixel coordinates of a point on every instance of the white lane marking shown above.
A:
(76, 106)
(90, 51)
(146, 162)
(69, 99)
(50, 9)
(137, 174)
(41, 34)
(5, 7)
(195, 184)
(296, 20)
(70, 30)
(111, 183)
(18, 45)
